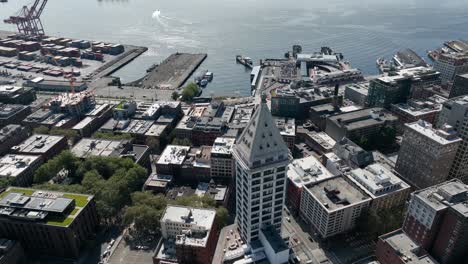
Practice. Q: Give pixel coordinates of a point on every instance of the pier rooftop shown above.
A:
(172, 73)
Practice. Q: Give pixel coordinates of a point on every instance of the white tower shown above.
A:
(261, 158)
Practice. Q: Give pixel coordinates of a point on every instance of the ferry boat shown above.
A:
(246, 61)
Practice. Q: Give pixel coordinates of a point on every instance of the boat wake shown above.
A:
(163, 20)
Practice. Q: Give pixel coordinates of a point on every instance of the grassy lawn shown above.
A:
(18, 190)
(60, 221)
(80, 200)
(74, 211)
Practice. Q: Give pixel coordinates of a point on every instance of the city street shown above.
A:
(299, 238)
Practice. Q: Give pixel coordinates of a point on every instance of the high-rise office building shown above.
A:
(450, 65)
(455, 113)
(426, 154)
(261, 158)
(460, 86)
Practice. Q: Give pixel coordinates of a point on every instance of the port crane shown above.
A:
(28, 20)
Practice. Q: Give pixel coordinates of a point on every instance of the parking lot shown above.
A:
(124, 254)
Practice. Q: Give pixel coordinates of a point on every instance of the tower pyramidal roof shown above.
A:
(261, 142)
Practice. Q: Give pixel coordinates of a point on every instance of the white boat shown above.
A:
(208, 76)
(203, 82)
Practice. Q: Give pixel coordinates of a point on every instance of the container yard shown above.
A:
(60, 59)
(172, 73)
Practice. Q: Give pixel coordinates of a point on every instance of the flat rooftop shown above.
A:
(452, 194)
(156, 130)
(38, 144)
(8, 89)
(419, 108)
(13, 165)
(7, 110)
(198, 221)
(130, 126)
(377, 180)
(337, 193)
(361, 87)
(174, 154)
(98, 109)
(323, 139)
(363, 118)
(223, 145)
(202, 218)
(415, 74)
(45, 207)
(9, 131)
(286, 126)
(307, 171)
(445, 136)
(274, 239)
(88, 147)
(406, 248)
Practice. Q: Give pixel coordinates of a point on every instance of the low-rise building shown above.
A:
(124, 110)
(303, 173)
(158, 183)
(194, 231)
(361, 123)
(320, 142)
(13, 113)
(333, 206)
(94, 119)
(171, 159)
(351, 154)
(152, 111)
(49, 119)
(382, 185)
(200, 130)
(46, 146)
(135, 127)
(357, 93)
(196, 166)
(88, 147)
(287, 128)
(10, 136)
(16, 95)
(19, 168)
(415, 110)
(295, 103)
(222, 163)
(158, 133)
(48, 223)
(397, 248)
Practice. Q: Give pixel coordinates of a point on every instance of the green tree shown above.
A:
(175, 96)
(70, 134)
(152, 143)
(190, 91)
(41, 130)
(182, 142)
(6, 182)
(222, 217)
(111, 136)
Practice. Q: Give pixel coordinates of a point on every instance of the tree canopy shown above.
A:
(110, 179)
(190, 91)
